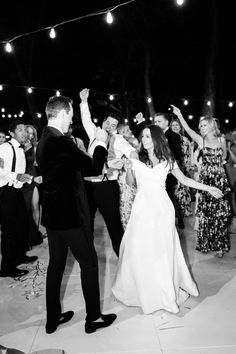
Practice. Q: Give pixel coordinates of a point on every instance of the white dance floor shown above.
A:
(204, 325)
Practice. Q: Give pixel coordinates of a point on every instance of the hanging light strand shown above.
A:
(101, 12)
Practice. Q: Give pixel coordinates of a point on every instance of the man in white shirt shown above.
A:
(13, 212)
(103, 191)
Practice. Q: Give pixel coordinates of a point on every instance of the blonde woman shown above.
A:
(213, 215)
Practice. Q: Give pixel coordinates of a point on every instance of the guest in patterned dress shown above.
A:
(213, 215)
(127, 192)
(182, 193)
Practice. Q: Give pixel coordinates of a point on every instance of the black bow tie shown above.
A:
(21, 146)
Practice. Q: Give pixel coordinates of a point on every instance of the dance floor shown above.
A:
(204, 325)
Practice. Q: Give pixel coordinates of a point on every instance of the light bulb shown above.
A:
(58, 93)
(1, 87)
(29, 90)
(179, 2)
(109, 17)
(149, 100)
(185, 102)
(230, 104)
(8, 47)
(52, 33)
(111, 97)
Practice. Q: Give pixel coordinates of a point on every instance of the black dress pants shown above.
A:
(80, 242)
(105, 196)
(14, 227)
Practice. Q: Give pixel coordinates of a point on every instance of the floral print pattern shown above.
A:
(213, 214)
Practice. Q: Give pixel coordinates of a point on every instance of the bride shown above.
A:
(152, 273)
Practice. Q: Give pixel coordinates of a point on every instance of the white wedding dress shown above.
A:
(152, 272)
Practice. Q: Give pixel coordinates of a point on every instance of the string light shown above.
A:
(149, 100)
(1, 87)
(185, 102)
(52, 33)
(190, 116)
(226, 121)
(179, 2)
(107, 11)
(209, 103)
(230, 104)
(111, 97)
(29, 90)
(8, 47)
(109, 17)
(58, 93)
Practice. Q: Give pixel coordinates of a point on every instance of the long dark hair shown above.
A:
(161, 147)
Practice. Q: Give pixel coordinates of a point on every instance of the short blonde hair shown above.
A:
(212, 122)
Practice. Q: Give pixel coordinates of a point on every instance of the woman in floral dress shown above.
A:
(182, 193)
(213, 215)
(127, 192)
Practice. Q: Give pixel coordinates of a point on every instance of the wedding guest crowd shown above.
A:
(140, 181)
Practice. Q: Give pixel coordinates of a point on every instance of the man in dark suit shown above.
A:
(65, 213)
(174, 142)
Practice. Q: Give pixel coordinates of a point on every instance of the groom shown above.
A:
(65, 213)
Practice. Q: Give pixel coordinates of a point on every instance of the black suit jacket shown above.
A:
(174, 142)
(138, 128)
(62, 166)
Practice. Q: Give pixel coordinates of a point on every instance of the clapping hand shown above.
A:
(38, 179)
(84, 95)
(215, 192)
(101, 134)
(23, 177)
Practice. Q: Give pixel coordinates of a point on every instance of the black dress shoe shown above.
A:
(106, 320)
(27, 259)
(65, 317)
(14, 273)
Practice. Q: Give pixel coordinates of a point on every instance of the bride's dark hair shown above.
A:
(161, 147)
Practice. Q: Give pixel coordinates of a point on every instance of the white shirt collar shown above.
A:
(14, 142)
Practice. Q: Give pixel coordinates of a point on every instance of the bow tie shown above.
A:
(21, 146)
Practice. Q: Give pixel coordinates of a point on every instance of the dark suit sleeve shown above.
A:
(69, 156)
(174, 142)
(138, 128)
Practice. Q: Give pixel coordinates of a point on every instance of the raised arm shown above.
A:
(189, 182)
(88, 125)
(196, 137)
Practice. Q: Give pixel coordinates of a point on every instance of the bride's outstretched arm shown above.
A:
(189, 182)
